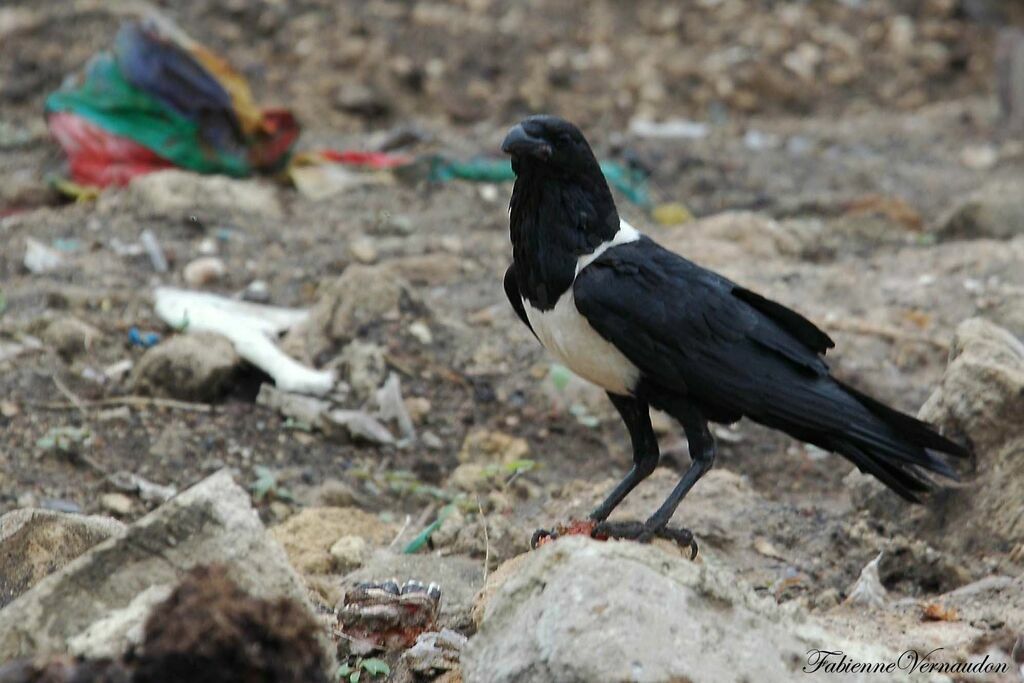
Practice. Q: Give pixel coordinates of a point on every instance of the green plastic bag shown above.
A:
(110, 102)
(630, 182)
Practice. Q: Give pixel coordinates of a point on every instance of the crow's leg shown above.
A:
(702, 457)
(637, 416)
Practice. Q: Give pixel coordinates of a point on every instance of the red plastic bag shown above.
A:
(99, 158)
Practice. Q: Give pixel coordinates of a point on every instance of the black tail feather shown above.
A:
(917, 432)
(905, 482)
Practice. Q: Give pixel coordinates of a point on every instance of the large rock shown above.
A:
(981, 394)
(70, 337)
(1009, 314)
(582, 610)
(211, 523)
(347, 307)
(981, 397)
(35, 543)
(191, 367)
(993, 210)
(980, 401)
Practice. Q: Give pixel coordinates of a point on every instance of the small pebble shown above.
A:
(280, 511)
(28, 500)
(208, 247)
(397, 224)
(671, 213)
(451, 244)
(418, 408)
(203, 271)
(979, 157)
(485, 316)
(421, 332)
(349, 552)
(116, 503)
(257, 291)
(489, 193)
(363, 250)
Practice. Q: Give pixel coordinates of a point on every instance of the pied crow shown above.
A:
(656, 330)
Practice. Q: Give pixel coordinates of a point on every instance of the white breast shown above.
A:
(570, 338)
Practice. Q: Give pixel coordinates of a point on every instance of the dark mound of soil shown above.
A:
(212, 630)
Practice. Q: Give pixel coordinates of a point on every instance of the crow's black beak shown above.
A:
(519, 142)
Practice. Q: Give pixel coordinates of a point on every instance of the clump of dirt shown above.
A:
(212, 630)
(64, 670)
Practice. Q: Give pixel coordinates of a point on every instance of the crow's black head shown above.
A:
(548, 143)
(561, 206)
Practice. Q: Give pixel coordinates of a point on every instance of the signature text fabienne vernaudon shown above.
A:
(909, 661)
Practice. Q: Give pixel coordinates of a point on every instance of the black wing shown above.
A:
(515, 298)
(800, 327)
(699, 338)
(692, 331)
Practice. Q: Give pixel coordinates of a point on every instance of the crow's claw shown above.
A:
(641, 533)
(542, 536)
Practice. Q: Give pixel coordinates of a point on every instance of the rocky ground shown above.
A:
(853, 164)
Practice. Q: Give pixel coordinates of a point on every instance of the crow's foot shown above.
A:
(627, 531)
(574, 527)
(642, 533)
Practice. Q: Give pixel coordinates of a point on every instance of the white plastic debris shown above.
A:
(115, 372)
(40, 258)
(13, 349)
(154, 250)
(421, 332)
(392, 407)
(251, 328)
(868, 591)
(126, 248)
(305, 409)
(360, 426)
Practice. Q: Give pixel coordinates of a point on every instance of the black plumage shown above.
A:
(732, 354)
(692, 343)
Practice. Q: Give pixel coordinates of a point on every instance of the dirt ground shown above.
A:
(850, 124)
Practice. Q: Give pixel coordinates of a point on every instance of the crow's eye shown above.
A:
(564, 139)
